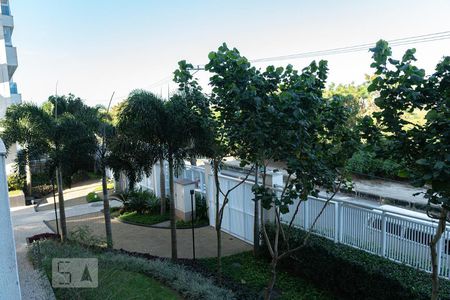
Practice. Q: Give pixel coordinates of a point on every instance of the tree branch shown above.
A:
(305, 240)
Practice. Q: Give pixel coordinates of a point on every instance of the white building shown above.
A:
(8, 65)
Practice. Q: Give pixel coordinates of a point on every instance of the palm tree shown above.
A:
(71, 142)
(28, 125)
(150, 130)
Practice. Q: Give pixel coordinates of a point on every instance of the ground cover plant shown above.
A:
(157, 278)
(254, 273)
(332, 267)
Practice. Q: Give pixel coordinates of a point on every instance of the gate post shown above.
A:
(9, 276)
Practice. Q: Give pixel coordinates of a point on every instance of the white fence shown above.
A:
(396, 234)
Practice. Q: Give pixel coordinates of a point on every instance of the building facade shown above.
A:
(8, 65)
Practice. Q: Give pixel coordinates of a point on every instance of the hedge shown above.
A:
(354, 274)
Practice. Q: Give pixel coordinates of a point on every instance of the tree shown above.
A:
(28, 125)
(104, 134)
(241, 97)
(71, 142)
(150, 129)
(212, 141)
(404, 88)
(313, 141)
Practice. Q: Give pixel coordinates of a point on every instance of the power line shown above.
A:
(431, 37)
(361, 47)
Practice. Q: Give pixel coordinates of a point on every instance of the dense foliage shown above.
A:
(367, 276)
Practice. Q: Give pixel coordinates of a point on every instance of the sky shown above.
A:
(95, 48)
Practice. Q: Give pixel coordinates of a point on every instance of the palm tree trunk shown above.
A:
(162, 186)
(28, 173)
(106, 212)
(62, 212)
(173, 225)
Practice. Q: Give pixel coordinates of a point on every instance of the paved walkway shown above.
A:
(73, 196)
(156, 241)
(33, 284)
(27, 222)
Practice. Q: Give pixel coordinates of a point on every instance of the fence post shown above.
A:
(209, 194)
(341, 222)
(336, 221)
(9, 277)
(383, 234)
(306, 215)
(277, 182)
(439, 253)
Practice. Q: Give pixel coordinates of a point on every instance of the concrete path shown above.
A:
(27, 222)
(156, 241)
(33, 284)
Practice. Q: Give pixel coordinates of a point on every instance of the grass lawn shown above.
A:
(144, 219)
(255, 273)
(14, 193)
(120, 284)
(99, 188)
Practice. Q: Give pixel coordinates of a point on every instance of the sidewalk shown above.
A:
(27, 222)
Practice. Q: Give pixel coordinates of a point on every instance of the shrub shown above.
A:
(140, 201)
(92, 197)
(367, 163)
(41, 190)
(201, 207)
(83, 235)
(16, 182)
(367, 276)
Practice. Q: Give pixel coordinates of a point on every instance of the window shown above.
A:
(5, 8)
(7, 32)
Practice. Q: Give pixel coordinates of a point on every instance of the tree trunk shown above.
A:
(62, 212)
(162, 186)
(173, 225)
(256, 220)
(434, 255)
(218, 221)
(106, 212)
(28, 174)
(273, 271)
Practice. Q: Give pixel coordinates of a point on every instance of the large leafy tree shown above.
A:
(212, 141)
(424, 146)
(28, 125)
(313, 141)
(241, 96)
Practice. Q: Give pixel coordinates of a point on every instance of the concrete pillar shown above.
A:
(9, 276)
(183, 209)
